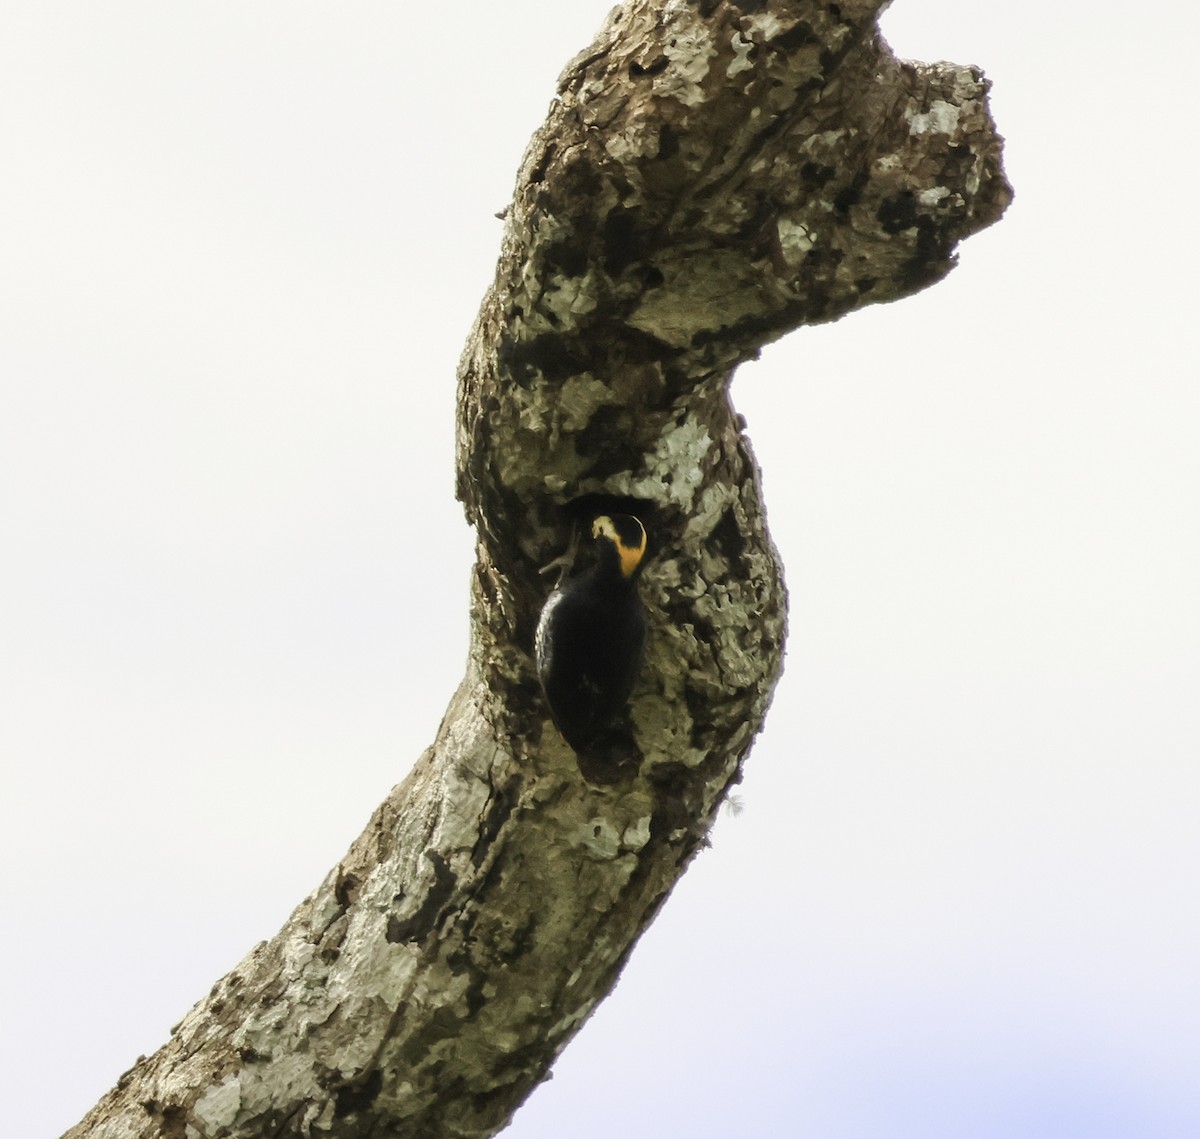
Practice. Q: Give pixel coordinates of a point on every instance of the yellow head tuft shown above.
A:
(627, 535)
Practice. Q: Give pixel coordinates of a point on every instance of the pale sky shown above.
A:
(240, 248)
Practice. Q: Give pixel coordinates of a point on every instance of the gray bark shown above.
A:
(710, 176)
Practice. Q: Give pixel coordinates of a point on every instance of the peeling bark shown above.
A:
(710, 176)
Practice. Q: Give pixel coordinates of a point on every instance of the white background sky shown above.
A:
(240, 247)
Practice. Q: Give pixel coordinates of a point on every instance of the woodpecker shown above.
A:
(590, 638)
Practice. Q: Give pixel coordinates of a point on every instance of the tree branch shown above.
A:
(710, 176)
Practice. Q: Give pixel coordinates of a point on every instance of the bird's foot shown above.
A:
(564, 561)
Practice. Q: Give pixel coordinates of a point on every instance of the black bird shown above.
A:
(590, 638)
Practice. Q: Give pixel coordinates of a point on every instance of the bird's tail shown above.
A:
(609, 757)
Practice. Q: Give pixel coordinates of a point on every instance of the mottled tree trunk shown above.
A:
(710, 176)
